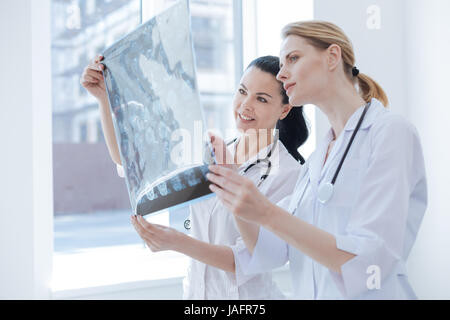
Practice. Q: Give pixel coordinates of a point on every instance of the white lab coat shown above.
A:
(379, 200)
(213, 223)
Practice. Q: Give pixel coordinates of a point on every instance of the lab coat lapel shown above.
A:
(334, 152)
(316, 164)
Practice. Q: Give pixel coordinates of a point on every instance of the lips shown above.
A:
(245, 118)
(288, 85)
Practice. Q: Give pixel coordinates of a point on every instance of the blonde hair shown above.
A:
(321, 35)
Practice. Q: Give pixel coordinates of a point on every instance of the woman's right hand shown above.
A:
(221, 152)
(92, 79)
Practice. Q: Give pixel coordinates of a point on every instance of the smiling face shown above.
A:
(258, 101)
(304, 70)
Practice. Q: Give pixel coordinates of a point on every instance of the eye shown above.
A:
(293, 58)
(261, 99)
(241, 91)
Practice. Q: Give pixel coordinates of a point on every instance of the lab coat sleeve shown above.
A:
(240, 249)
(375, 231)
(269, 253)
(120, 171)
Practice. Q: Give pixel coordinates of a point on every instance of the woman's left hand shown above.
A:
(239, 194)
(157, 237)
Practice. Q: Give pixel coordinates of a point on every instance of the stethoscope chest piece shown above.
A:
(325, 192)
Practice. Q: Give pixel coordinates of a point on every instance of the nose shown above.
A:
(247, 103)
(282, 74)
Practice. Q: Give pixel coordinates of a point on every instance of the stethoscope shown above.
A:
(265, 160)
(326, 190)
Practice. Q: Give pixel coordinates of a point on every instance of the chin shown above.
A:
(296, 101)
(245, 127)
(292, 101)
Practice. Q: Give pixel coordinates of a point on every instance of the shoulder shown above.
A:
(285, 171)
(384, 120)
(395, 139)
(390, 121)
(286, 162)
(390, 128)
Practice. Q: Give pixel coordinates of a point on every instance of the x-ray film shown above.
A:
(151, 83)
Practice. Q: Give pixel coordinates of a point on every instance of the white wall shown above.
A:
(427, 49)
(26, 214)
(407, 55)
(378, 47)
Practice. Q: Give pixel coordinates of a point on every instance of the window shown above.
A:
(94, 241)
(90, 200)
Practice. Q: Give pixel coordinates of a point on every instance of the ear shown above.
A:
(334, 56)
(286, 109)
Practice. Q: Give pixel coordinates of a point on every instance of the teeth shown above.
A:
(245, 118)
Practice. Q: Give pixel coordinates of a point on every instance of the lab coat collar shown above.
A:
(262, 154)
(317, 158)
(369, 118)
(317, 167)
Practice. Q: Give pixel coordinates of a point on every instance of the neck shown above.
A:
(339, 104)
(250, 144)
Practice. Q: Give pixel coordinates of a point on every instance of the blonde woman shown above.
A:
(358, 204)
(260, 106)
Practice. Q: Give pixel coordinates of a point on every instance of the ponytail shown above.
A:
(369, 89)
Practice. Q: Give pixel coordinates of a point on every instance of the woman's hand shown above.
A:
(239, 195)
(92, 79)
(222, 154)
(157, 237)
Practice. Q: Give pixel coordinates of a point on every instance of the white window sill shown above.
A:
(127, 272)
(100, 271)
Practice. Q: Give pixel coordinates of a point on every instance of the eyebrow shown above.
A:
(258, 93)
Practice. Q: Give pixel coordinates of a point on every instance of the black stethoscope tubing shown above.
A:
(265, 160)
(326, 190)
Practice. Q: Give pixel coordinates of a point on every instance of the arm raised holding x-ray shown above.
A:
(92, 80)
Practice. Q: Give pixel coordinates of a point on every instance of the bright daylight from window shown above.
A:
(95, 243)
